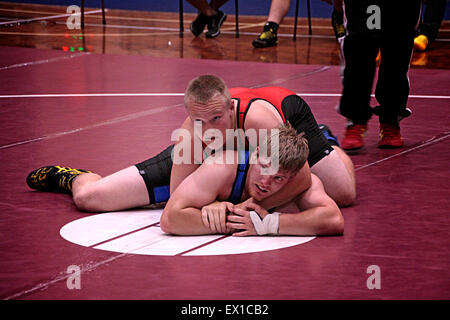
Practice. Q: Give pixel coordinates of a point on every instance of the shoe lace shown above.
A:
(214, 21)
(65, 181)
(267, 34)
(68, 170)
(355, 130)
(340, 29)
(388, 131)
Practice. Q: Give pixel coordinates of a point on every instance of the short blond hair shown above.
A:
(206, 87)
(292, 150)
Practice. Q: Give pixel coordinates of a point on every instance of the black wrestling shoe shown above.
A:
(199, 24)
(268, 38)
(53, 178)
(214, 24)
(332, 139)
(337, 21)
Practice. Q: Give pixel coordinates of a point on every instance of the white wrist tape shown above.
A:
(268, 225)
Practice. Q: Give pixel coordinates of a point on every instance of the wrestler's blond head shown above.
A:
(288, 146)
(205, 88)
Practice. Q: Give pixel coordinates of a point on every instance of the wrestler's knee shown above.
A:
(90, 199)
(336, 172)
(340, 188)
(346, 196)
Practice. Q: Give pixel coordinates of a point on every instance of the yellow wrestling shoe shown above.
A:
(337, 22)
(53, 178)
(419, 59)
(421, 42)
(268, 38)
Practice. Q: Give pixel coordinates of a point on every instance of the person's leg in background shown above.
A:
(209, 15)
(337, 19)
(429, 27)
(268, 37)
(392, 88)
(360, 48)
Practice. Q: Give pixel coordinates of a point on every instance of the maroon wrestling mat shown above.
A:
(107, 112)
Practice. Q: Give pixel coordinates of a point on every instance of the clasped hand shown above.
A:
(224, 217)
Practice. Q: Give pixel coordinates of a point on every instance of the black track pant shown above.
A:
(432, 19)
(395, 39)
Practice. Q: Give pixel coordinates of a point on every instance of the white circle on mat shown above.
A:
(138, 232)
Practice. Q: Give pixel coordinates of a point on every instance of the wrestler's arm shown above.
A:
(319, 214)
(182, 149)
(182, 213)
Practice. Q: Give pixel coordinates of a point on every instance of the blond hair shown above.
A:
(206, 87)
(288, 146)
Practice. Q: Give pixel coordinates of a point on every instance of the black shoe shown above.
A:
(337, 21)
(332, 139)
(199, 24)
(268, 38)
(53, 178)
(214, 24)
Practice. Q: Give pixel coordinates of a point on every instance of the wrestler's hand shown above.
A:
(252, 206)
(240, 220)
(214, 216)
(245, 205)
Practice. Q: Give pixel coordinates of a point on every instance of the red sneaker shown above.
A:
(390, 137)
(353, 137)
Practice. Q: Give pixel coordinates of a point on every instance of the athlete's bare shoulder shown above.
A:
(222, 166)
(262, 115)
